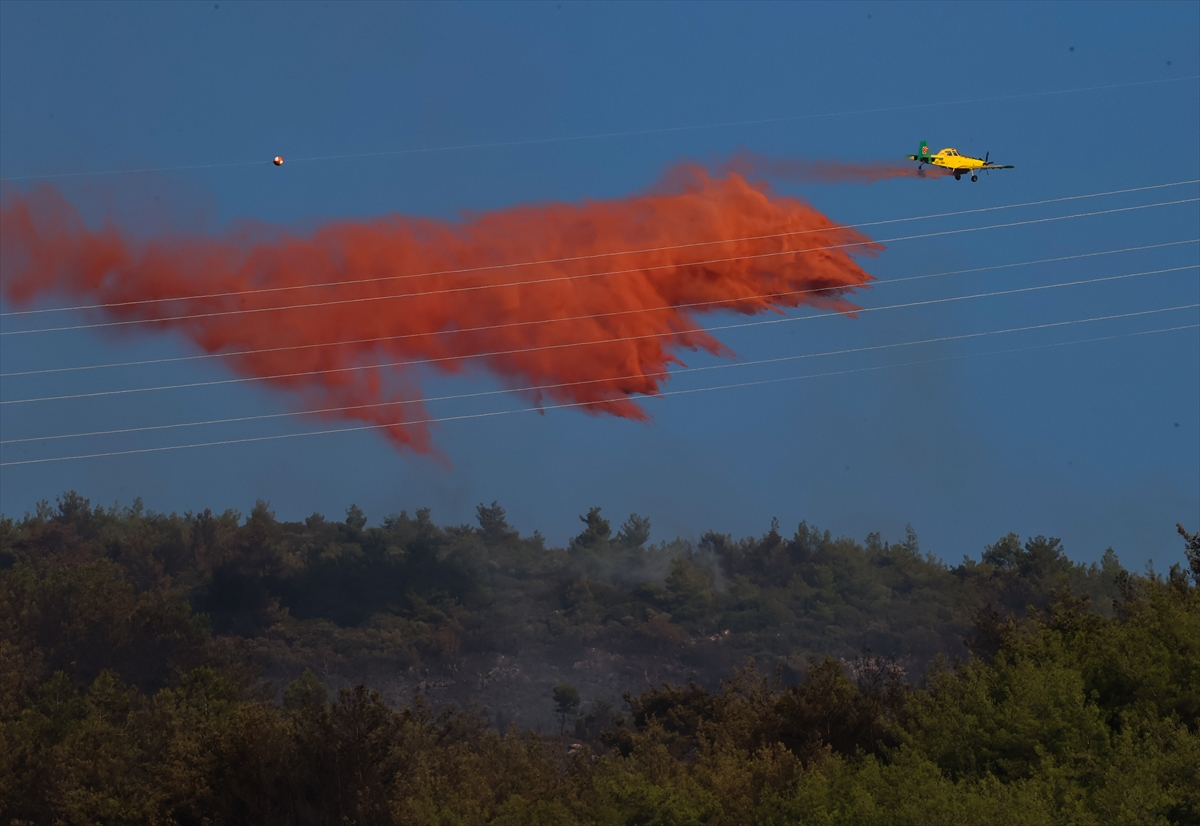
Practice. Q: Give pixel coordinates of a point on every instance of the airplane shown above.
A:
(950, 160)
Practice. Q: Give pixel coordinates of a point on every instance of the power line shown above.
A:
(565, 405)
(414, 362)
(598, 136)
(559, 385)
(674, 266)
(684, 306)
(591, 256)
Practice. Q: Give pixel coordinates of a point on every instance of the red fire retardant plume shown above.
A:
(604, 271)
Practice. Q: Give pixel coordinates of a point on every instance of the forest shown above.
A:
(223, 669)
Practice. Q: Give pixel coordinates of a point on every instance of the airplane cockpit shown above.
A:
(953, 152)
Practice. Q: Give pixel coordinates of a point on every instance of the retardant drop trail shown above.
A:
(815, 171)
(497, 319)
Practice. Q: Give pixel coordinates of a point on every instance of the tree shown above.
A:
(1005, 554)
(591, 547)
(592, 725)
(493, 525)
(635, 532)
(305, 692)
(240, 597)
(595, 536)
(1043, 558)
(356, 520)
(689, 590)
(1192, 549)
(566, 703)
(828, 709)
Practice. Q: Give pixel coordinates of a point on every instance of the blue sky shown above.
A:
(1097, 443)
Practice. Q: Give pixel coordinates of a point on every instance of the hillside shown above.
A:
(142, 650)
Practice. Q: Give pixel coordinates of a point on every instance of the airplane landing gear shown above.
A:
(958, 176)
(974, 177)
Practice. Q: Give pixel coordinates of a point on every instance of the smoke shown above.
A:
(618, 269)
(753, 165)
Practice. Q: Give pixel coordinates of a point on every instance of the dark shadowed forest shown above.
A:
(219, 669)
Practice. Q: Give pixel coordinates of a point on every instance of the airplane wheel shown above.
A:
(974, 177)
(957, 176)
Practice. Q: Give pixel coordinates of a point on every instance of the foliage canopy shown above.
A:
(132, 648)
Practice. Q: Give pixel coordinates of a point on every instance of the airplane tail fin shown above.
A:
(924, 153)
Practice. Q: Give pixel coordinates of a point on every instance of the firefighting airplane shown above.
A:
(950, 160)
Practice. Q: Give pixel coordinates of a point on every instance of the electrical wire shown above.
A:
(560, 385)
(741, 325)
(482, 328)
(598, 136)
(591, 256)
(673, 266)
(566, 405)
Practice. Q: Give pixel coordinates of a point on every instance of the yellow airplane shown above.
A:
(950, 160)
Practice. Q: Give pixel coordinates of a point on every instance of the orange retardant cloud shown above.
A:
(617, 269)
